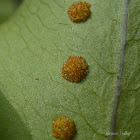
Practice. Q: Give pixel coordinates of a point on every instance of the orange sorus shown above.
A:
(79, 11)
(63, 128)
(75, 69)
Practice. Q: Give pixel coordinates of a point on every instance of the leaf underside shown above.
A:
(38, 39)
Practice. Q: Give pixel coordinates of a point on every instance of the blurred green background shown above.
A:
(7, 8)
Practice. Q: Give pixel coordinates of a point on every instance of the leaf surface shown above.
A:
(36, 42)
(128, 118)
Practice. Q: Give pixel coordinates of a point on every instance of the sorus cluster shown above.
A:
(79, 11)
(63, 128)
(74, 69)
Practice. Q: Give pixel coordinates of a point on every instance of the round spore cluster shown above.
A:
(75, 69)
(63, 128)
(79, 11)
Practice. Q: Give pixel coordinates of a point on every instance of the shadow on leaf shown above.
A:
(11, 126)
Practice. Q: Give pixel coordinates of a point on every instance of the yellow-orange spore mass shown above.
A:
(75, 69)
(63, 128)
(79, 11)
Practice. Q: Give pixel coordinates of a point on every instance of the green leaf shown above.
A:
(7, 7)
(36, 42)
(128, 120)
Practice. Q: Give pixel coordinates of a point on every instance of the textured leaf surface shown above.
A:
(128, 121)
(36, 41)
